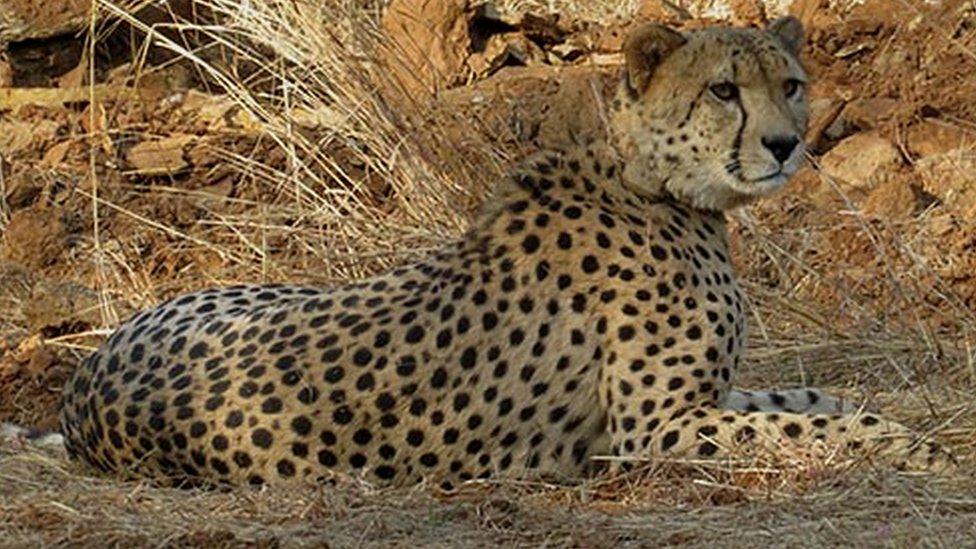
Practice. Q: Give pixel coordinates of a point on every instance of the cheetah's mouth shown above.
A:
(764, 185)
(775, 175)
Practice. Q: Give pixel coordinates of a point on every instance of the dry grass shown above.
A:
(308, 216)
(50, 502)
(309, 59)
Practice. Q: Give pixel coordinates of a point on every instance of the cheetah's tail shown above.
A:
(18, 436)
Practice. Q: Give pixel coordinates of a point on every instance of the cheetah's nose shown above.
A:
(781, 146)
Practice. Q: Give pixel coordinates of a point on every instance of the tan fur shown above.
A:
(681, 138)
(590, 310)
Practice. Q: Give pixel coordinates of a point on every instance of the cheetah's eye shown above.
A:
(725, 91)
(792, 87)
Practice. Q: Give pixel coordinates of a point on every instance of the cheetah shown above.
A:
(590, 310)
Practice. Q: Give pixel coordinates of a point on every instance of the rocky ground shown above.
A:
(292, 143)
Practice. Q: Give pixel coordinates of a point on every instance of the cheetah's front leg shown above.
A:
(661, 406)
(710, 432)
(651, 416)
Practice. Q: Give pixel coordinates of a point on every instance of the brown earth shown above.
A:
(321, 165)
(36, 19)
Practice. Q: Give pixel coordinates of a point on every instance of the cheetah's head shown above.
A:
(715, 116)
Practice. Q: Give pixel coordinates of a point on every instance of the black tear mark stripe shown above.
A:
(733, 167)
(692, 107)
(737, 142)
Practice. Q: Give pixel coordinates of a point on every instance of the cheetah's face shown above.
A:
(716, 116)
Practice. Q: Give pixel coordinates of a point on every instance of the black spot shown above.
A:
(342, 415)
(301, 425)
(792, 430)
(461, 401)
(439, 378)
(451, 436)
(362, 437)
(415, 437)
(242, 460)
(199, 350)
(362, 357)
(415, 334)
(530, 244)
(385, 402)
(331, 355)
(365, 382)
(262, 438)
(469, 358)
(707, 449)
(234, 419)
(669, 440)
(286, 468)
(869, 420)
(271, 405)
(308, 395)
(334, 374)
(745, 434)
(590, 264)
(327, 458)
(418, 406)
(138, 351)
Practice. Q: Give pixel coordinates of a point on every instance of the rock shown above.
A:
(34, 19)
(946, 163)
(24, 187)
(36, 237)
(870, 112)
(75, 77)
(611, 38)
(16, 282)
(6, 71)
(56, 307)
(573, 48)
(505, 49)
(31, 377)
(951, 177)
(165, 156)
(538, 106)
(824, 119)
(810, 185)
(18, 135)
(216, 113)
(658, 10)
(858, 159)
(430, 43)
(932, 137)
(893, 199)
(54, 156)
(37, 19)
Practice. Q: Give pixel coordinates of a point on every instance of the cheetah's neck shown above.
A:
(594, 175)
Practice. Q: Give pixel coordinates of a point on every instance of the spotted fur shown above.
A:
(590, 310)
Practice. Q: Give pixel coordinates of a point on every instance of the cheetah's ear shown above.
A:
(644, 50)
(789, 31)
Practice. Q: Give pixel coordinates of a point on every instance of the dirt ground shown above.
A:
(319, 143)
